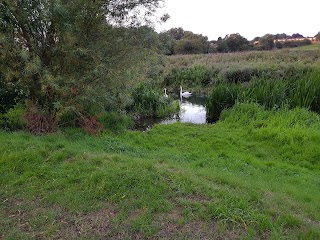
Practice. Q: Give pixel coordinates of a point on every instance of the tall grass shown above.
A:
(267, 92)
(148, 102)
(299, 89)
(191, 77)
(224, 96)
(205, 71)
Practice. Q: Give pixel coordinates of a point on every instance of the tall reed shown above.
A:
(148, 102)
(223, 96)
(297, 90)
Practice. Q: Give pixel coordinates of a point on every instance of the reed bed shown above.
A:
(274, 79)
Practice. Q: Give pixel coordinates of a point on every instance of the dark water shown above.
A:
(192, 110)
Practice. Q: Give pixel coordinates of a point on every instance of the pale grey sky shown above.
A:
(250, 18)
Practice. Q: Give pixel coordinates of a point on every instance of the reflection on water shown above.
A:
(192, 110)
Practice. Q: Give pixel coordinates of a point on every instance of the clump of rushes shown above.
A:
(222, 97)
(148, 102)
(267, 92)
(301, 89)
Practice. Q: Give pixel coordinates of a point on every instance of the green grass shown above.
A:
(253, 175)
(313, 46)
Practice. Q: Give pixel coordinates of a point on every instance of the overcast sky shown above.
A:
(250, 18)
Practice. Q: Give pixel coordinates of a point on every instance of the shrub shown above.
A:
(13, 119)
(68, 117)
(90, 125)
(39, 122)
(10, 95)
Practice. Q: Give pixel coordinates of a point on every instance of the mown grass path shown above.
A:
(254, 174)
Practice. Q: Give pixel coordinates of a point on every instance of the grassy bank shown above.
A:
(313, 46)
(254, 174)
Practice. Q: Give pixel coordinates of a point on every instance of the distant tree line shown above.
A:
(179, 41)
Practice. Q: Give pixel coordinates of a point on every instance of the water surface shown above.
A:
(192, 110)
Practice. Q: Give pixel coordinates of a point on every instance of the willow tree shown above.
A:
(72, 53)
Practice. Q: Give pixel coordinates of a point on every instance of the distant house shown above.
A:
(312, 39)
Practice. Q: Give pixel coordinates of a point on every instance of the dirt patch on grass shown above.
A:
(173, 225)
(38, 221)
(97, 223)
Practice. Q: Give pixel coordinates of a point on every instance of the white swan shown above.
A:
(165, 93)
(185, 94)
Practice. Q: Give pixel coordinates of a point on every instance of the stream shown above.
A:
(192, 110)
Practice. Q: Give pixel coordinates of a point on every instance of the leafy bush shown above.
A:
(67, 117)
(13, 119)
(10, 95)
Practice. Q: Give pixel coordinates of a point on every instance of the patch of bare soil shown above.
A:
(173, 226)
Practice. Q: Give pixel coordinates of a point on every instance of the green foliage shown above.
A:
(230, 66)
(13, 119)
(312, 46)
(235, 42)
(267, 92)
(191, 43)
(293, 91)
(221, 46)
(189, 77)
(223, 96)
(231, 43)
(166, 43)
(68, 117)
(292, 44)
(266, 42)
(10, 94)
(76, 54)
(148, 102)
(115, 121)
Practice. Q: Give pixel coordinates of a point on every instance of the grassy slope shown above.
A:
(255, 174)
(313, 46)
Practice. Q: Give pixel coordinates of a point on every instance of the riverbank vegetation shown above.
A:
(253, 175)
(67, 64)
(75, 75)
(282, 78)
(62, 68)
